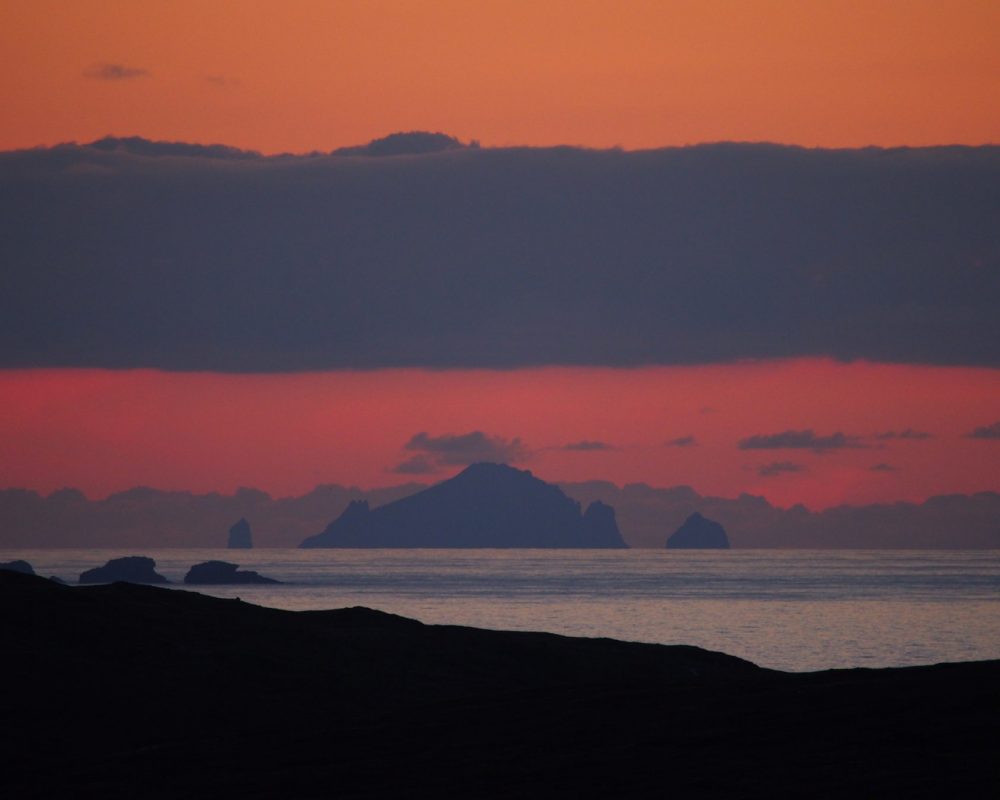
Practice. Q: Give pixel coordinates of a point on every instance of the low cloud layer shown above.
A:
(434, 453)
(587, 445)
(682, 441)
(132, 253)
(779, 468)
(908, 433)
(800, 440)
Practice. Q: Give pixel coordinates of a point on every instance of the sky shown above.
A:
(318, 75)
(813, 326)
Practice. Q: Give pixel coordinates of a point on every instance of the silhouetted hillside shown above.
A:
(136, 691)
(485, 505)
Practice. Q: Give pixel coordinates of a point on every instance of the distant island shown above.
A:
(698, 533)
(485, 505)
(645, 515)
(130, 569)
(240, 537)
(223, 572)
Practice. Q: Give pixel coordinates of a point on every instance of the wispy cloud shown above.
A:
(908, 433)
(883, 468)
(779, 468)
(682, 441)
(800, 440)
(115, 72)
(460, 449)
(586, 445)
(416, 465)
(985, 432)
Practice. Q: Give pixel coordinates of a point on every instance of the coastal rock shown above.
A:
(239, 536)
(130, 569)
(18, 565)
(698, 533)
(210, 572)
(599, 525)
(485, 505)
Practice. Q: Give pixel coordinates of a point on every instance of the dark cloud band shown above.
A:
(422, 252)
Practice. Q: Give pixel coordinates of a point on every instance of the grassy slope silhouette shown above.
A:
(124, 690)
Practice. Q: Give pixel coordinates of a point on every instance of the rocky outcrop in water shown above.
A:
(223, 572)
(18, 565)
(698, 533)
(239, 536)
(130, 569)
(485, 505)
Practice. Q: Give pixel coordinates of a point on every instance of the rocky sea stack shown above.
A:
(239, 536)
(485, 505)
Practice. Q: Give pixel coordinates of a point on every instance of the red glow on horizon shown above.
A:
(106, 431)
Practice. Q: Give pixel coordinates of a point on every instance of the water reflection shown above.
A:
(794, 610)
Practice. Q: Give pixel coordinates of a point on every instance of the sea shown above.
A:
(793, 610)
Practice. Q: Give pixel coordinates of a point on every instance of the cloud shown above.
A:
(463, 449)
(416, 465)
(779, 468)
(682, 441)
(985, 432)
(405, 144)
(587, 445)
(115, 72)
(136, 145)
(883, 468)
(443, 255)
(799, 440)
(909, 433)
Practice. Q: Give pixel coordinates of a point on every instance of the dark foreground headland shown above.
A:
(137, 691)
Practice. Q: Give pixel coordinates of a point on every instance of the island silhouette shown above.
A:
(698, 533)
(485, 505)
(223, 572)
(240, 537)
(130, 569)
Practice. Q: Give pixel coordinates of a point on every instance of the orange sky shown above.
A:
(317, 75)
(104, 431)
(298, 76)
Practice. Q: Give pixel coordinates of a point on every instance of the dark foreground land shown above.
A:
(135, 691)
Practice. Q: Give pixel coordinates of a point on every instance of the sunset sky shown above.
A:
(315, 74)
(845, 351)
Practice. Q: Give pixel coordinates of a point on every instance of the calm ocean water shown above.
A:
(791, 610)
